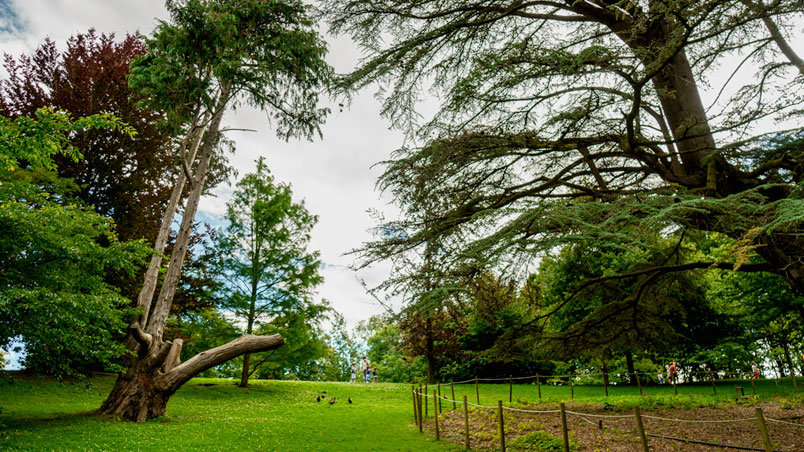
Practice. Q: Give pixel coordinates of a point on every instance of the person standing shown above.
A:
(364, 369)
(754, 370)
(661, 377)
(673, 372)
(374, 375)
(354, 373)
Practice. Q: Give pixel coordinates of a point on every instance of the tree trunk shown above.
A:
(142, 392)
(629, 363)
(244, 374)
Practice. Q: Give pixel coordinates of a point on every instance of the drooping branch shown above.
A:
(656, 271)
(246, 343)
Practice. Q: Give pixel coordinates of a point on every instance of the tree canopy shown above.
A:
(592, 122)
(55, 253)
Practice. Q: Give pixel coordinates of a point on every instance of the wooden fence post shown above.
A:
(466, 421)
(415, 411)
(477, 390)
(435, 415)
(421, 418)
(502, 426)
(572, 388)
(763, 428)
(439, 400)
(641, 428)
(564, 427)
(452, 387)
(639, 383)
(425, 403)
(539, 387)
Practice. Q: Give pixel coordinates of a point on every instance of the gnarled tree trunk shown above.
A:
(142, 392)
(155, 372)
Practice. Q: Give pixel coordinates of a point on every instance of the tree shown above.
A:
(213, 55)
(55, 253)
(568, 122)
(265, 268)
(125, 178)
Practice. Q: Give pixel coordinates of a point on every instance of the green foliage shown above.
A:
(265, 52)
(36, 141)
(540, 441)
(386, 351)
(56, 255)
(266, 273)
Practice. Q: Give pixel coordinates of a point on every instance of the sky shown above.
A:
(335, 176)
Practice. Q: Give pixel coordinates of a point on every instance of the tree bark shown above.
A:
(142, 392)
(244, 373)
(629, 363)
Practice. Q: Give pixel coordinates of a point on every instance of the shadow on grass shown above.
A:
(49, 420)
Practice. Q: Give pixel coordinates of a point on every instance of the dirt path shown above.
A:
(604, 429)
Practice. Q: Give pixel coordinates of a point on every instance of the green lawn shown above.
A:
(40, 415)
(215, 415)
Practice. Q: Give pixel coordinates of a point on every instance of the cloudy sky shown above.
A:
(334, 176)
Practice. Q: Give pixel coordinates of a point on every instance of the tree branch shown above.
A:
(247, 343)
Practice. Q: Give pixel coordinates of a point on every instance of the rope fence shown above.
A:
(695, 378)
(421, 398)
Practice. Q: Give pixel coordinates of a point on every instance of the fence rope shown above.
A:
(609, 416)
(700, 421)
(779, 421)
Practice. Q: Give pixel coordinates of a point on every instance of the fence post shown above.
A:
(714, 388)
(641, 428)
(639, 383)
(572, 388)
(426, 391)
(415, 411)
(421, 418)
(439, 400)
(477, 390)
(606, 383)
(466, 421)
(435, 415)
(564, 427)
(502, 426)
(763, 428)
(539, 387)
(452, 387)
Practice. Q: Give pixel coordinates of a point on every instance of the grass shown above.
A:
(624, 396)
(215, 415)
(43, 415)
